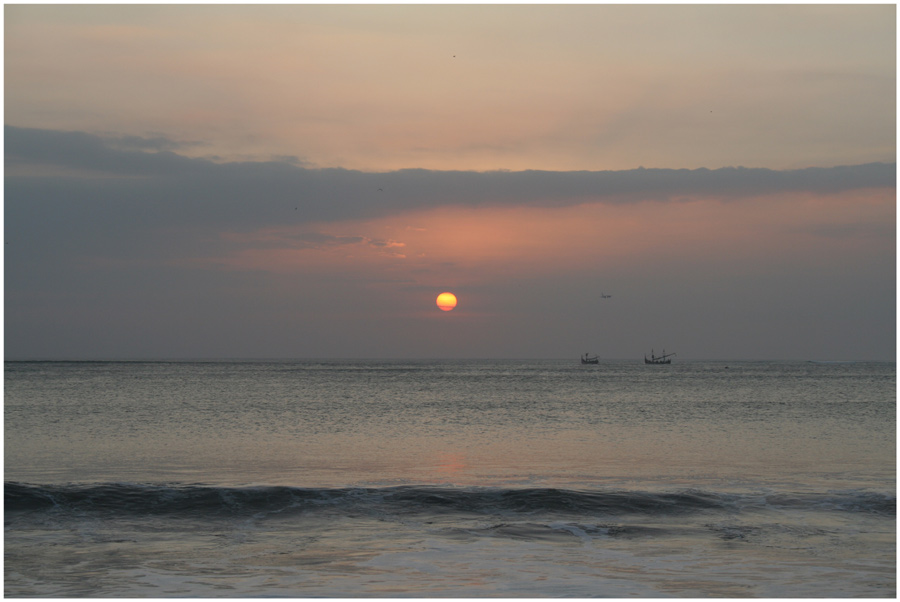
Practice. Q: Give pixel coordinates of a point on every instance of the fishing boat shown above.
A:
(590, 359)
(665, 358)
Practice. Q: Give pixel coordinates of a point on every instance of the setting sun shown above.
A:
(446, 301)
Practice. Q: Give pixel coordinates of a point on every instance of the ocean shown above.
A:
(450, 479)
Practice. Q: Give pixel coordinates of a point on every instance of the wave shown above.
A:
(212, 501)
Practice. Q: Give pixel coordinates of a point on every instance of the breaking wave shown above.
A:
(211, 501)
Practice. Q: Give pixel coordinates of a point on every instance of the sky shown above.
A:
(302, 181)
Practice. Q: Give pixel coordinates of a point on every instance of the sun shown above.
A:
(446, 301)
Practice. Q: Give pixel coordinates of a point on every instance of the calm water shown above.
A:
(462, 479)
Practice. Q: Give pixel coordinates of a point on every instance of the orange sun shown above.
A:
(446, 301)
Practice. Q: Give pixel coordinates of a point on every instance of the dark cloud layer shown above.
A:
(168, 185)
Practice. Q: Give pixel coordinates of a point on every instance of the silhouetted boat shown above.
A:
(665, 358)
(590, 359)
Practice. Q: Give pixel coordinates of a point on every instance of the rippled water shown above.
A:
(450, 479)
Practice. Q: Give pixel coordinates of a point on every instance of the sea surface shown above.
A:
(450, 479)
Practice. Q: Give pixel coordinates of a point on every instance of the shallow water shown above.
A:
(462, 479)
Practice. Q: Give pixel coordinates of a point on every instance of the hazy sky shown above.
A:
(303, 180)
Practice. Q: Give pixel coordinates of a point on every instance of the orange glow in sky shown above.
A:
(457, 245)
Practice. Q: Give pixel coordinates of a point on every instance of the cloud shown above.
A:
(254, 194)
(306, 239)
(139, 143)
(85, 199)
(278, 239)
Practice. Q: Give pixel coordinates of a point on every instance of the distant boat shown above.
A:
(590, 359)
(665, 358)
